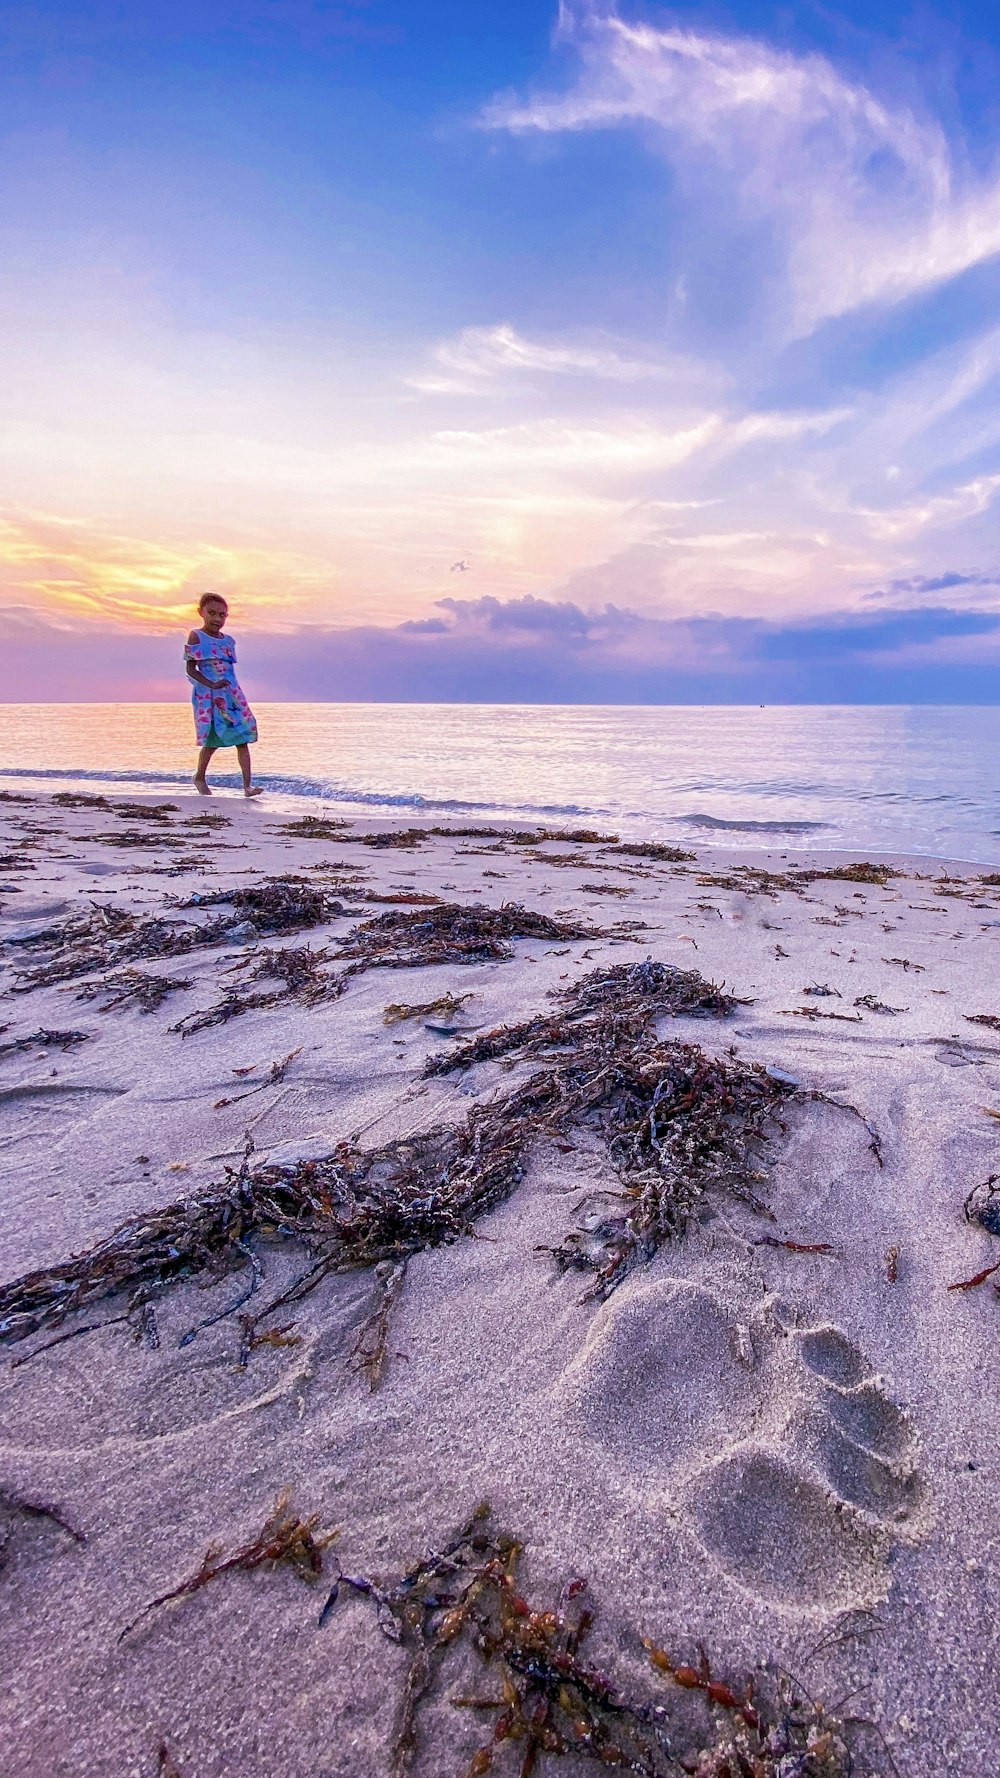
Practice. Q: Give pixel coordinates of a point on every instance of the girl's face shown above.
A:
(213, 616)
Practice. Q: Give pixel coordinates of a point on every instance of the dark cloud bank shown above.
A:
(538, 651)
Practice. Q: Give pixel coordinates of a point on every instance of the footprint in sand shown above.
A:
(778, 1447)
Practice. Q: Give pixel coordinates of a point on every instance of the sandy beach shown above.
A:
(765, 1432)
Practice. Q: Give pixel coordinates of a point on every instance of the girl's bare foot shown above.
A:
(201, 787)
(253, 790)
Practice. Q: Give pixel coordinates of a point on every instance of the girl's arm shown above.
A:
(195, 672)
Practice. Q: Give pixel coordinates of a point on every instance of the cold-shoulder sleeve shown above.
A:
(192, 647)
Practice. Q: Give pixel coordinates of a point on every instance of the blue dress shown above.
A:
(222, 718)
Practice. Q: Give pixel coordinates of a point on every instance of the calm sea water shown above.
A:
(913, 779)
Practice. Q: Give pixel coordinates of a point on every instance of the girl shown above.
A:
(222, 716)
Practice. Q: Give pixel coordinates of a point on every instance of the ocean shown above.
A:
(917, 779)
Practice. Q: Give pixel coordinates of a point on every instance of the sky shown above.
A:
(535, 350)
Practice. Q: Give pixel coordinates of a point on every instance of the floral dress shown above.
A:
(222, 718)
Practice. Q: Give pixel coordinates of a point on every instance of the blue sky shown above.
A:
(678, 326)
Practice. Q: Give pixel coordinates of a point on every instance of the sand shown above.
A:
(745, 1446)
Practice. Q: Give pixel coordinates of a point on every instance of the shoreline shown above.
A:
(712, 832)
(767, 1436)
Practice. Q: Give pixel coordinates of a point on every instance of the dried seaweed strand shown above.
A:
(133, 987)
(370, 1349)
(283, 1537)
(12, 1502)
(443, 1007)
(43, 1039)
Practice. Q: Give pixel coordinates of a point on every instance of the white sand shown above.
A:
(740, 1447)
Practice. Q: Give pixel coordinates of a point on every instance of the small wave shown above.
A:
(314, 788)
(716, 822)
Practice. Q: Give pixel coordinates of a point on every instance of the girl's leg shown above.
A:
(202, 767)
(249, 787)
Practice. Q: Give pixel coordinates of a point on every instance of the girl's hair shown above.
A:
(206, 599)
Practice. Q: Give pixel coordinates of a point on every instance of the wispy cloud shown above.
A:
(866, 199)
(461, 365)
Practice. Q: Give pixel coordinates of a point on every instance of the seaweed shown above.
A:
(13, 796)
(675, 1121)
(133, 987)
(102, 938)
(371, 1346)
(448, 933)
(275, 905)
(451, 933)
(813, 1012)
(982, 1206)
(877, 874)
(752, 879)
(577, 836)
(401, 839)
(653, 849)
(12, 1504)
(79, 799)
(990, 1019)
(611, 1008)
(548, 1700)
(408, 897)
(477, 833)
(284, 1537)
(142, 839)
(145, 811)
(296, 966)
(871, 1003)
(570, 836)
(106, 937)
(444, 1007)
(207, 820)
(275, 1074)
(44, 1040)
(313, 827)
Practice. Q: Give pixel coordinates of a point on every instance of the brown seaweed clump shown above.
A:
(313, 827)
(145, 811)
(675, 1121)
(132, 987)
(140, 839)
(652, 849)
(284, 1537)
(452, 933)
(275, 905)
(877, 874)
(43, 1040)
(108, 937)
(298, 968)
(545, 1699)
(448, 934)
